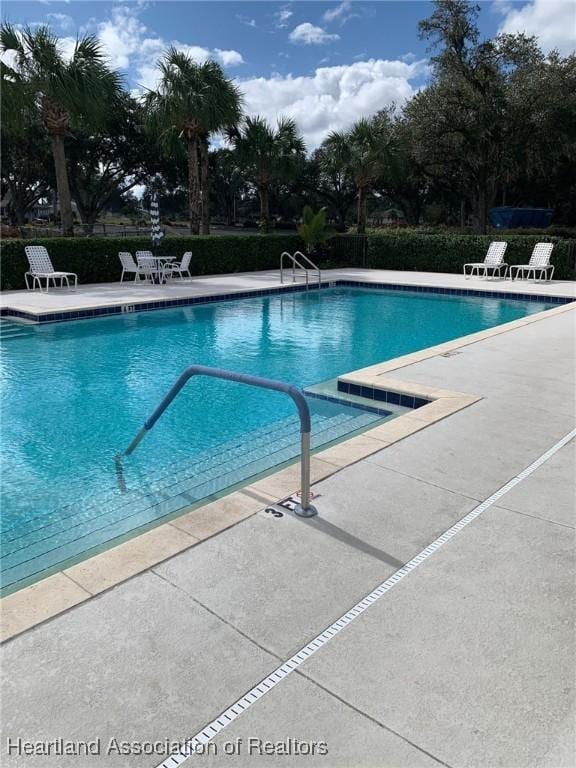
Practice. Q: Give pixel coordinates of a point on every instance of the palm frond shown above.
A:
(192, 98)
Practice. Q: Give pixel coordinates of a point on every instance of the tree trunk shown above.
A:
(264, 193)
(17, 207)
(16, 214)
(462, 213)
(193, 187)
(205, 186)
(480, 212)
(66, 215)
(361, 221)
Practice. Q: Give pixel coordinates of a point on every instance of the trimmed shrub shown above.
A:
(95, 259)
(447, 253)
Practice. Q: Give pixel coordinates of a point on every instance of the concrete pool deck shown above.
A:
(468, 661)
(101, 295)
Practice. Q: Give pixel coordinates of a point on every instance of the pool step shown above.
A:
(270, 441)
(12, 330)
(47, 539)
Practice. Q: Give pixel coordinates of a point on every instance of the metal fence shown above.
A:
(85, 230)
(348, 250)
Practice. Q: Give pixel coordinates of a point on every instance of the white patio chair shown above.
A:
(41, 268)
(539, 264)
(493, 262)
(148, 264)
(181, 268)
(129, 267)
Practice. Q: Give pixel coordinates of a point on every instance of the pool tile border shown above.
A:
(349, 403)
(131, 307)
(62, 591)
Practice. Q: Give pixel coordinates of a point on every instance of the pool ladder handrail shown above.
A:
(297, 263)
(305, 508)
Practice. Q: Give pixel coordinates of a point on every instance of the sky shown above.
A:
(322, 63)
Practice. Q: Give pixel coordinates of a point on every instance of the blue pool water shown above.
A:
(74, 395)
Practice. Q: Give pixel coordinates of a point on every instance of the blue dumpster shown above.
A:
(515, 218)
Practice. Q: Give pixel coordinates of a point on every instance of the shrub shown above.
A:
(95, 259)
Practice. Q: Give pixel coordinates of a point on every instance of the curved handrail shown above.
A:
(304, 509)
(308, 259)
(295, 264)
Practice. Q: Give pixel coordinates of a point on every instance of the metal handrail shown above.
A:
(296, 263)
(304, 509)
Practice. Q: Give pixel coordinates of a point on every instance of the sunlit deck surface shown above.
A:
(111, 294)
(468, 660)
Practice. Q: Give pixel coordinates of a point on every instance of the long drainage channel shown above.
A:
(197, 742)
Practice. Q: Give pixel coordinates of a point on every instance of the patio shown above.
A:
(468, 660)
(110, 295)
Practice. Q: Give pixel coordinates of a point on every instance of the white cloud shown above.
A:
(228, 58)
(60, 20)
(339, 12)
(247, 21)
(308, 34)
(282, 17)
(121, 36)
(333, 97)
(10, 58)
(553, 22)
(128, 45)
(67, 46)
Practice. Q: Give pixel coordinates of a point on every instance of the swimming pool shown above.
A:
(74, 394)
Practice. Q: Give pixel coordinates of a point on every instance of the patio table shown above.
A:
(158, 275)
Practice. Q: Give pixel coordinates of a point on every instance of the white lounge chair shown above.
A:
(181, 268)
(41, 268)
(129, 267)
(493, 262)
(539, 264)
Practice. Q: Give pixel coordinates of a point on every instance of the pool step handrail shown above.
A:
(305, 508)
(297, 258)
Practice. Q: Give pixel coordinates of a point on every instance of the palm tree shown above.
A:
(267, 155)
(362, 151)
(192, 102)
(64, 92)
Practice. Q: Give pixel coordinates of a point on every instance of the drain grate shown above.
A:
(197, 742)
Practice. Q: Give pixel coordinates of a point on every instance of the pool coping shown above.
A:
(43, 317)
(61, 591)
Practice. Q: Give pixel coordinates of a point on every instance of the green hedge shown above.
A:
(95, 259)
(447, 253)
